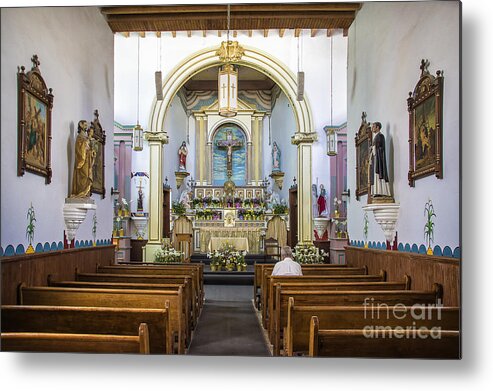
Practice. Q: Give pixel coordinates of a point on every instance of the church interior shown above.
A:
(158, 161)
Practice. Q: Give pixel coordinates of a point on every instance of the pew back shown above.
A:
(297, 332)
(344, 298)
(117, 298)
(389, 343)
(90, 320)
(77, 343)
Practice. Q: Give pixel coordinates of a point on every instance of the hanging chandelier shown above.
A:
(228, 53)
(138, 132)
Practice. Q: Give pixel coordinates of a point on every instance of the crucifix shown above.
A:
(229, 144)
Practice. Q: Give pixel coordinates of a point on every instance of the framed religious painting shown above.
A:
(363, 145)
(98, 142)
(425, 106)
(35, 103)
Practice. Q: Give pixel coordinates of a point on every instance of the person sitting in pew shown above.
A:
(287, 267)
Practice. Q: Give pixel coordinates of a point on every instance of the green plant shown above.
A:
(308, 254)
(31, 218)
(279, 209)
(94, 225)
(365, 226)
(178, 208)
(430, 224)
(167, 254)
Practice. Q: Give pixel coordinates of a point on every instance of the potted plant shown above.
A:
(31, 218)
(365, 229)
(308, 254)
(429, 226)
(178, 208)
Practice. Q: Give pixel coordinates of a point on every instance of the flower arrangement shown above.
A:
(167, 254)
(306, 255)
(178, 208)
(279, 209)
(228, 257)
(429, 226)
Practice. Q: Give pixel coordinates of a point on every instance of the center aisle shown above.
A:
(228, 328)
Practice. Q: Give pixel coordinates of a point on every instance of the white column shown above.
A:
(155, 226)
(304, 178)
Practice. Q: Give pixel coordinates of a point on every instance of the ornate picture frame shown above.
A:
(425, 107)
(363, 142)
(99, 142)
(34, 107)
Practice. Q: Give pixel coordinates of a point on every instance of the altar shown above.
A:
(237, 218)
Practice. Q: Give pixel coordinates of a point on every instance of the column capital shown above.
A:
(200, 115)
(304, 138)
(161, 137)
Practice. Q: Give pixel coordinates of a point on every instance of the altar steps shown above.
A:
(232, 277)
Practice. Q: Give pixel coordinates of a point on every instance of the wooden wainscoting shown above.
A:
(33, 269)
(424, 270)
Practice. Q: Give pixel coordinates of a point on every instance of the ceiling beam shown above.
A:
(297, 33)
(235, 34)
(173, 33)
(344, 32)
(250, 33)
(281, 32)
(204, 33)
(211, 85)
(313, 33)
(189, 33)
(158, 34)
(126, 34)
(266, 33)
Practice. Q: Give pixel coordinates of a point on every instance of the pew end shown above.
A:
(313, 345)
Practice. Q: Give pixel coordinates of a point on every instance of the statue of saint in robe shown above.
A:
(84, 161)
(276, 157)
(182, 157)
(379, 179)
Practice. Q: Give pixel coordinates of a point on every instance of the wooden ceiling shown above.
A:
(244, 17)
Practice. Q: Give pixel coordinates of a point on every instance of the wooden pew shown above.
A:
(259, 269)
(344, 298)
(297, 332)
(90, 320)
(189, 305)
(308, 280)
(117, 298)
(388, 343)
(186, 280)
(289, 283)
(191, 269)
(77, 343)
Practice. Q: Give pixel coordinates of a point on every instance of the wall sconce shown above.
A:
(346, 195)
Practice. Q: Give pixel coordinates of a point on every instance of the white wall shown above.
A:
(385, 51)
(176, 125)
(75, 48)
(316, 63)
(282, 127)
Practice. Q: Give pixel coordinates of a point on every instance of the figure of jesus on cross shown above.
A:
(229, 144)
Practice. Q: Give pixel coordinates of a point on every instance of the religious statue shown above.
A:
(276, 157)
(378, 175)
(84, 161)
(185, 198)
(314, 201)
(322, 202)
(140, 200)
(229, 144)
(182, 157)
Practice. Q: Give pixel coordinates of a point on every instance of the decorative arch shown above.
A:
(303, 136)
(252, 58)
